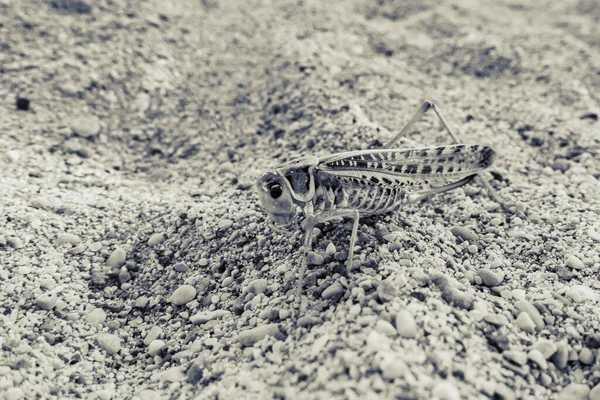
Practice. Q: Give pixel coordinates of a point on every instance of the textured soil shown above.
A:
(136, 261)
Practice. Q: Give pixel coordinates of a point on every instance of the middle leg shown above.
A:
(326, 216)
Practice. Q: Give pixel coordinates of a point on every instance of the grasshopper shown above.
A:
(367, 182)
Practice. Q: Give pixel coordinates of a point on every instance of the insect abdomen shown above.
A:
(375, 199)
(368, 200)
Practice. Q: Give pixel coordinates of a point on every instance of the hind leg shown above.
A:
(429, 105)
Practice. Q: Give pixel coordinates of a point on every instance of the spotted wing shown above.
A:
(415, 168)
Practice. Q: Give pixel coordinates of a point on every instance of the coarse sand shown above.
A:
(136, 261)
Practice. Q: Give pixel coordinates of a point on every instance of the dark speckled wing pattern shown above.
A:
(405, 168)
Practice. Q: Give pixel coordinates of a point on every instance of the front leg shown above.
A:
(326, 216)
(338, 214)
(306, 247)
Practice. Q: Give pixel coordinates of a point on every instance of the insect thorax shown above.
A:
(300, 178)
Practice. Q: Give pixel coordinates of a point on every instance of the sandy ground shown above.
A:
(135, 260)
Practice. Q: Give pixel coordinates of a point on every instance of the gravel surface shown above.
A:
(136, 262)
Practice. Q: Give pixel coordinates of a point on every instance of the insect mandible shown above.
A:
(367, 182)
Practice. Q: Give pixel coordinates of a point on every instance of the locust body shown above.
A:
(370, 182)
(367, 182)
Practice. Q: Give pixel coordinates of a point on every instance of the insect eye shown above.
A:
(275, 190)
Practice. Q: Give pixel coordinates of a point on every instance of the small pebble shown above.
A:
(124, 276)
(561, 164)
(527, 307)
(446, 391)
(86, 125)
(155, 239)
(573, 356)
(386, 291)
(96, 316)
(308, 320)
(393, 368)
(330, 249)
(23, 103)
(225, 224)
(503, 392)
(173, 374)
(574, 262)
(489, 277)
(284, 314)
(518, 294)
(525, 323)
(80, 248)
(183, 294)
(95, 246)
(496, 319)
(579, 293)
(117, 258)
(180, 267)
(538, 358)
(586, 356)
(518, 357)
(472, 248)
(561, 357)
(12, 156)
(546, 347)
(46, 301)
(545, 379)
(573, 391)
(152, 335)
(15, 242)
(406, 324)
(141, 302)
(109, 342)
(68, 238)
(458, 297)
(203, 317)
(385, 327)
(464, 233)
(313, 258)
(13, 393)
(251, 336)
(156, 346)
(142, 101)
(594, 393)
(336, 289)
(258, 286)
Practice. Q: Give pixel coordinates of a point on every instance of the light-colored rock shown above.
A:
(573, 391)
(546, 347)
(96, 316)
(385, 327)
(574, 262)
(446, 391)
(117, 258)
(332, 291)
(152, 334)
(156, 239)
(156, 346)
(525, 323)
(86, 125)
(182, 295)
(109, 342)
(406, 324)
(536, 317)
(538, 358)
(251, 336)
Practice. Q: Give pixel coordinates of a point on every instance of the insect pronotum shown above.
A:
(367, 182)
